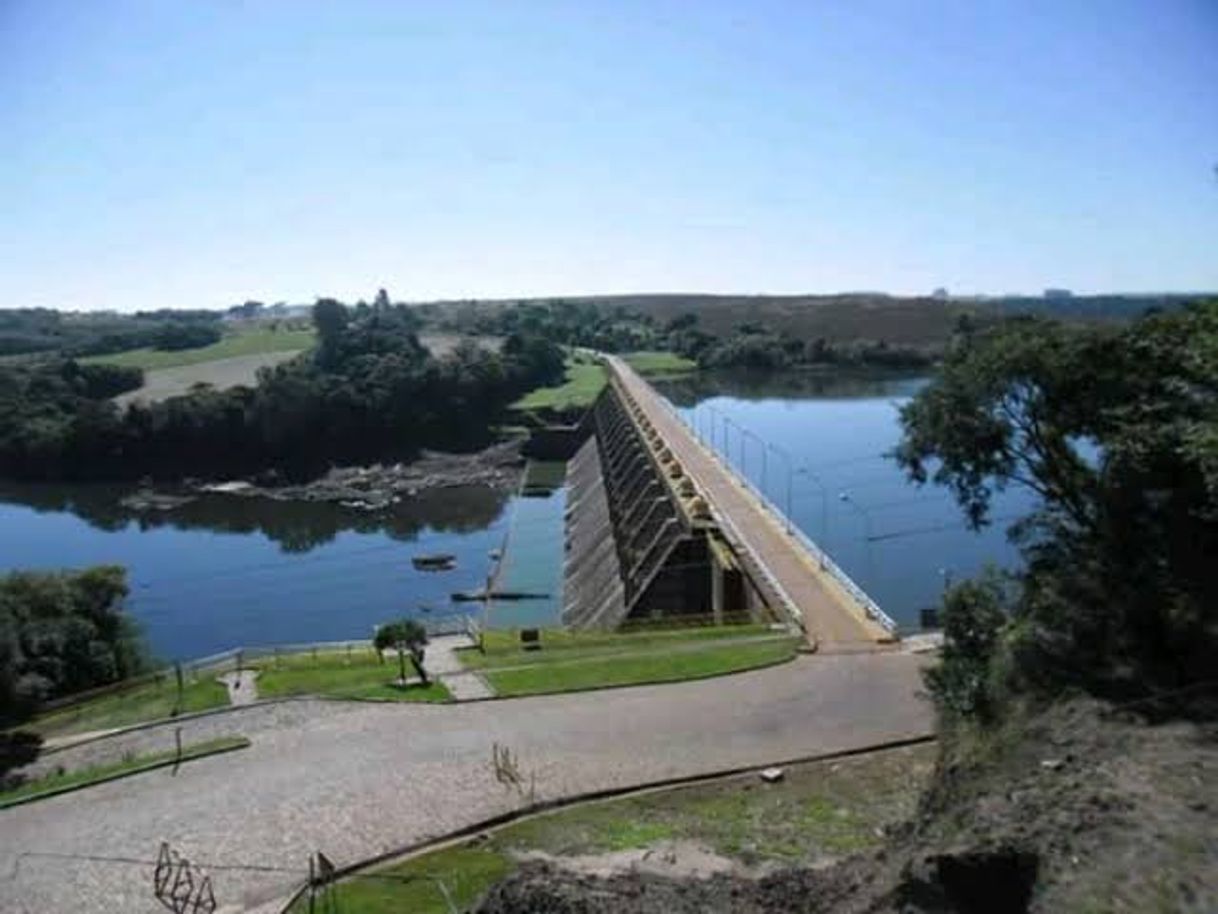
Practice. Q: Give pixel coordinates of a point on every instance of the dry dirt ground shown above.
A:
(1085, 809)
(219, 374)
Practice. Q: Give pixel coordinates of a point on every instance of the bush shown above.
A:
(974, 615)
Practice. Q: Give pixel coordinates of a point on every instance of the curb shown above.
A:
(634, 685)
(545, 807)
(118, 776)
(282, 699)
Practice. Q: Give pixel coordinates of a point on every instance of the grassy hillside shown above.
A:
(584, 380)
(250, 342)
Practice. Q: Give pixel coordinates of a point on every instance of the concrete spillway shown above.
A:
(639, 545)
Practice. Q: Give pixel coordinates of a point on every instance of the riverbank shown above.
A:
(365, 488)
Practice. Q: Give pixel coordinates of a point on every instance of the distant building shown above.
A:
(940, 293)
(1058, 294)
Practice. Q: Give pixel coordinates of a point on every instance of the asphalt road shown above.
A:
(354, 780)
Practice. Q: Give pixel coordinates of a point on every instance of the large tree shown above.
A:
(1117, 433)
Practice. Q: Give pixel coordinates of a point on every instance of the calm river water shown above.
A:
(223, 571)
(900, 542)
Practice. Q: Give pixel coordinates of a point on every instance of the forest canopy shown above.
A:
(369, 390)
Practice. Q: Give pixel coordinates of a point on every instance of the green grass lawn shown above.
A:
(503, 648)
(584, 379)
(660, 363)
(249, 342)
(820, 811)
(599, 673)
(59, 782)
(148, 701)
(339, 674)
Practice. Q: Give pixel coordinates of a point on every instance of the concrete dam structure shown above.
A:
(658, 528)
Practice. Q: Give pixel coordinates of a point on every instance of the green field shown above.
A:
(569, 661)
(584, 379)
(249, 342)
(60, 782)
(820, 811)
(711, 660)
(147, 701)
(341, 674)
(660, 363)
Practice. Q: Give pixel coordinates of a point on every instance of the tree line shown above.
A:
(749, 344)
(42, 330)
(369, 390)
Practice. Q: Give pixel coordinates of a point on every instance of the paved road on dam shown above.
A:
(354, 780)
(831, 617)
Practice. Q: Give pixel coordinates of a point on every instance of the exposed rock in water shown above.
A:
(145, 499)
(380, 486)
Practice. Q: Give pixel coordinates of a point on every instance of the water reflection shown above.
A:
(297, 527)
(819, 446)
(688, 390)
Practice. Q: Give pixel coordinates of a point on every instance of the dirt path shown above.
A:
(163, 383)
(355, 780)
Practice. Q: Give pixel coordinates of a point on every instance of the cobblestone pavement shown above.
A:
(354, 780)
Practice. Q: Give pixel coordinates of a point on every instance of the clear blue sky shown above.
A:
(195, 154)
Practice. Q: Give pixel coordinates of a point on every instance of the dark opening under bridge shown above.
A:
(658, 526)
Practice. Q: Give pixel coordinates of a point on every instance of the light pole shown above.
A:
(739, 436)
(824, 501)
(760, 441)
(790, 471)
(848, 499)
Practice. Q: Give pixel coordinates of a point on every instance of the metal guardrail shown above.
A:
(449, 624)
(869, 606)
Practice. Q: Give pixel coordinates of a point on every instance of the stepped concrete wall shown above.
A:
(636, 547)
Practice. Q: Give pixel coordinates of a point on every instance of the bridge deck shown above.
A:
(831, 617)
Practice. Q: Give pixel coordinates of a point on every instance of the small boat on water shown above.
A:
(437, 562)
(481, 596)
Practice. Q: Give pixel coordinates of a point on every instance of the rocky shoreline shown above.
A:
(371, 488)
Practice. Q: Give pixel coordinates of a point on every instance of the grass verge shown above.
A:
(503, 648)
(250, 342)
(583, 382)
(633, 669)
(821, 810)
(358, 673)
(55, 784)
(660, 363)
(143, 702)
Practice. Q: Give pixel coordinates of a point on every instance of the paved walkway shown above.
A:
(442, 663)
(832, 618)
(354, 780)
(242, 686)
